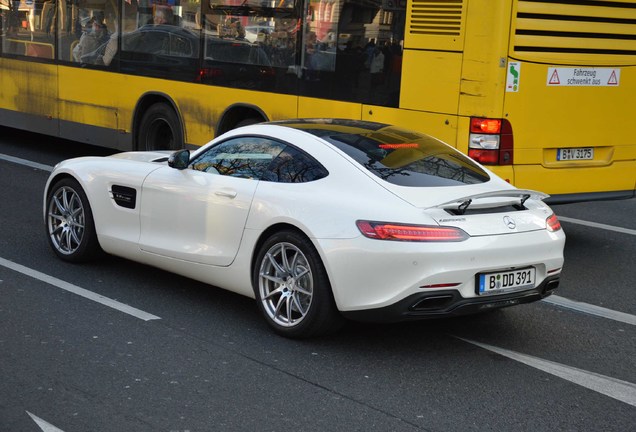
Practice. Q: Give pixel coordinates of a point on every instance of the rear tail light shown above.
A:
(490, 141)
(441, 285)
(552, 223)
(414, 233)
(206, 74)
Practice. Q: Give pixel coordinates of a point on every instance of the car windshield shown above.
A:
(401, 157)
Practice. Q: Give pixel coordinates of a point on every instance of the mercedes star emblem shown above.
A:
(510, 223)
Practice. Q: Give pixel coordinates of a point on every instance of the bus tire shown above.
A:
(248, 121)
(160, 129)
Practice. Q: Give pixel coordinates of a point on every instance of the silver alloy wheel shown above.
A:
(286, 284)
(66, 220)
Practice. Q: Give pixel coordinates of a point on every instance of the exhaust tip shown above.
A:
(551, 286)
(433, 302)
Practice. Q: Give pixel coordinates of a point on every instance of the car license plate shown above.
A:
(582, 153)
(512, 280)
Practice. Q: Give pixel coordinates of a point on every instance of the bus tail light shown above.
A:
(414, 233)
(206, 74)
(490, 141)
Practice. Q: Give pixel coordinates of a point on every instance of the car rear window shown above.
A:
(406, 158)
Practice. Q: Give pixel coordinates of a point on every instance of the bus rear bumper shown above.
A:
(590, 196)
(576, 183)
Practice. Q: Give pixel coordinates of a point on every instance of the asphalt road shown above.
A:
(202, 359)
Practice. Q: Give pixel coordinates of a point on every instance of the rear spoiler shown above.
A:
(492, 199)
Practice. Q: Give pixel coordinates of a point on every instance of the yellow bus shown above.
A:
(540, 91)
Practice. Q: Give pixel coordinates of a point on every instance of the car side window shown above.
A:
(294, 166)
(244, 157)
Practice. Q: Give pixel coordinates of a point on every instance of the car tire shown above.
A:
(160, 129)
(292, 287)
(69, 222)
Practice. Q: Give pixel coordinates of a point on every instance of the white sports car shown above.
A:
(318, 220)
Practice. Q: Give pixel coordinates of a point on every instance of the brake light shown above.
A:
(491, 141)
(485, 157)
(481, 125)
(398, 146)
(440, 285)
(552, 223)
(414, 233)
(209, 73)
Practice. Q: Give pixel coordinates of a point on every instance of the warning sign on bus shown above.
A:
(583, 77)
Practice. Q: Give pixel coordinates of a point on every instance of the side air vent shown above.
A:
(436, 17)
(124, 196)
(436, 24)
(580, 31)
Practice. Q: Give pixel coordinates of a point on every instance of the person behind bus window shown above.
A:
(111, 46)
(232, 28)
(49, 9)
(163, 15)
(240, 31)
(95, 35)
(376, 67)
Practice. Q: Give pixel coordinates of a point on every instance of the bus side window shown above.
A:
(249, 50)
(342, 61)
(27, 29)
(68, 28)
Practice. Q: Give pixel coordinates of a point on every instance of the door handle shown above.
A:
(228, 193)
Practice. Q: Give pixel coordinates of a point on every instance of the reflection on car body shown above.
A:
(158, 50)
(237, 63)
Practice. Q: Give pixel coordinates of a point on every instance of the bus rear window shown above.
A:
(420, 162)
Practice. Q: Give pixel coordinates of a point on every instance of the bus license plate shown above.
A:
(512, 280)
(581, 153)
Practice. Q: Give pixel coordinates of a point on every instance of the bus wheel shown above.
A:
(160, 129)
(248, 121)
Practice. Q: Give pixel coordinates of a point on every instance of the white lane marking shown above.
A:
(598, 225)
(45, 426)
(114, 304)
(26, 162)
(591, 309)
(623, 391)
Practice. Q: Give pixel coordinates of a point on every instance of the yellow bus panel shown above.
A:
(431, 81)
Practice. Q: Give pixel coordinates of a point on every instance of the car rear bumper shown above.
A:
(368, 274)
(448, 303)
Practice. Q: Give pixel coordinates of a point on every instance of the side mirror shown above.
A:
(179, 159)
